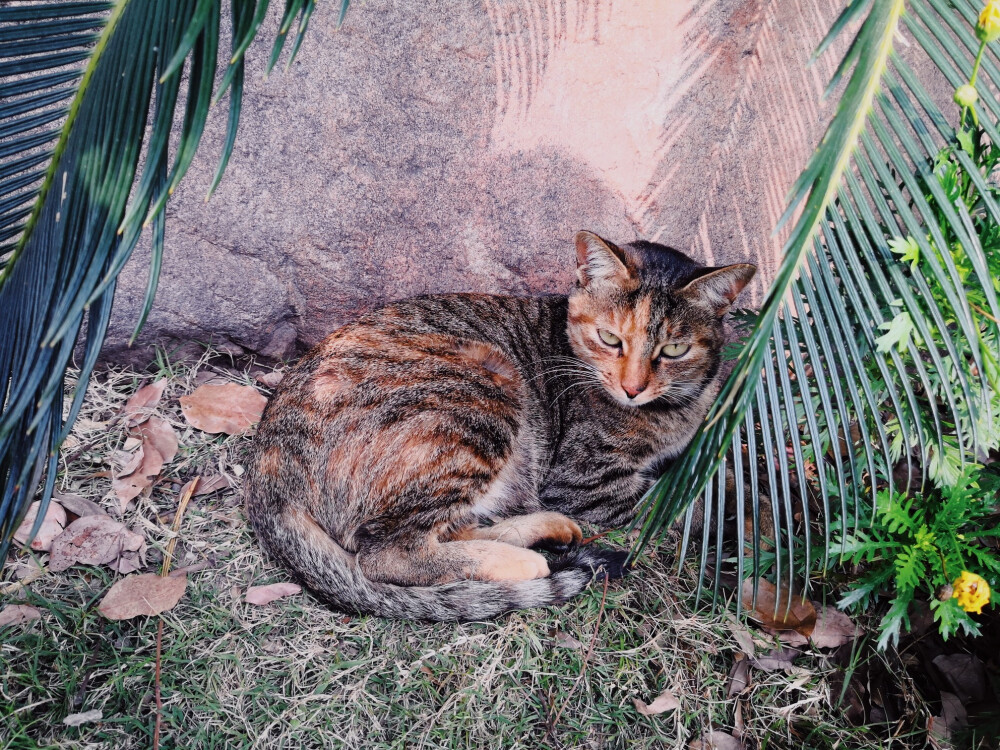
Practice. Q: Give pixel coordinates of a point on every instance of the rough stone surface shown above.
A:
(457, 146)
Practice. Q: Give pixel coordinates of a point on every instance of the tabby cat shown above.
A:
(408, 465)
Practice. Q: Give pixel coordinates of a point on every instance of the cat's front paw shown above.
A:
(505, 562)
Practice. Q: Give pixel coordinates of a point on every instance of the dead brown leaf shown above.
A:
(261, 595)
(52, 526)
(739, 677)
(833, 627)
(788, 637)
(213, 484)
(965, 675)
(665, 701)
(144, 594)
(270, 379)
(97, 540)
(744, 639)
(228, 408)
(158, 433)
(143, 401)
(716, 741)
(953, 718)
(76, 720)
(778, 610)
(15, 614)
(79, 506)
(776, 659)
(129, 486)
(565, 640)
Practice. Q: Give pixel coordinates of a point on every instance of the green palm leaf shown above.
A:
(80, 85)
(832, 379)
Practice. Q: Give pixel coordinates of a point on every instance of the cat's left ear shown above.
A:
(720, 287)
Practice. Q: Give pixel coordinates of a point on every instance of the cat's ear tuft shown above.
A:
(720, 287)
(598, 260)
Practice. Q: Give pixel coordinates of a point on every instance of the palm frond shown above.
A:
(79, 84)
(833, 381)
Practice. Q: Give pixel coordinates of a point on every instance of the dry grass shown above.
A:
(295, 674)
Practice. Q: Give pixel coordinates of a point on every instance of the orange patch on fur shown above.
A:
(528, 530)
(502, 370)
(496, 561)
(328, 383)
(270, 462)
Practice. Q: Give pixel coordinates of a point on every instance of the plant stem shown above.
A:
(975, 67)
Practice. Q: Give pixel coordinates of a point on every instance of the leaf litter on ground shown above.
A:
(261, 595)
(665, 701)
(15, 614)
(98, 540)
(229, 408)
(142, 594)
(52, 526)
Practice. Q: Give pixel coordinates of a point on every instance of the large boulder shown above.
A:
(458, 146)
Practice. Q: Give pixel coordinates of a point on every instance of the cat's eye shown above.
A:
(609, 338)
(672, 351)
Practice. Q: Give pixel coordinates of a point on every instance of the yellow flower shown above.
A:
(972, 592)
(966, 96)
(988, 27)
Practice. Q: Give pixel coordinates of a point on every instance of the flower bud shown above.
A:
(966, 96)
(988, 28)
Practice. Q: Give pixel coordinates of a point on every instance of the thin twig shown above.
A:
(586, 660)
(595, 537)
(982, 312)
(186, 492)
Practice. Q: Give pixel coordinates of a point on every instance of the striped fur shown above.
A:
(409, 464)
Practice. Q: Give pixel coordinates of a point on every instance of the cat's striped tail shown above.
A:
(332, 573)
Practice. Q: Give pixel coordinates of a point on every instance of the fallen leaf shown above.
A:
(129, 486)
(262, 595)
(79, 506)
(228, 408)
(953, 718)
(788, 637)
(775, 659)
(125, 462)
(270, 379)
(739, 678)
(213, 484)
(143, 401)
(75, 720)
(158, 433)
(144, 594)
(965, 675)
(777, 609)
(744, 639)
(15, 614)
(833, 627)
(716, 741)
(52, 526)
(665, 701)
(565, 640)
(27, 568)
(97, 540)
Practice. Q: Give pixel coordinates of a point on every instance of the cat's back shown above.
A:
(416, 384)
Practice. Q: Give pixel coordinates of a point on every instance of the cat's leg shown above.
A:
(444, 562)
(545, 529)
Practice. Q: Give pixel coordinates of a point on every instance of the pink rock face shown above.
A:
(457, 146)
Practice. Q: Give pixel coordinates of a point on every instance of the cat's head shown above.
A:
(646, 320)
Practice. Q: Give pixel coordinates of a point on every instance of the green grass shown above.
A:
(294, 674)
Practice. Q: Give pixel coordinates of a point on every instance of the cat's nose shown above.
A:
(633, 391)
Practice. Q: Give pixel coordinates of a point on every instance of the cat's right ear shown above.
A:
(598, 260)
